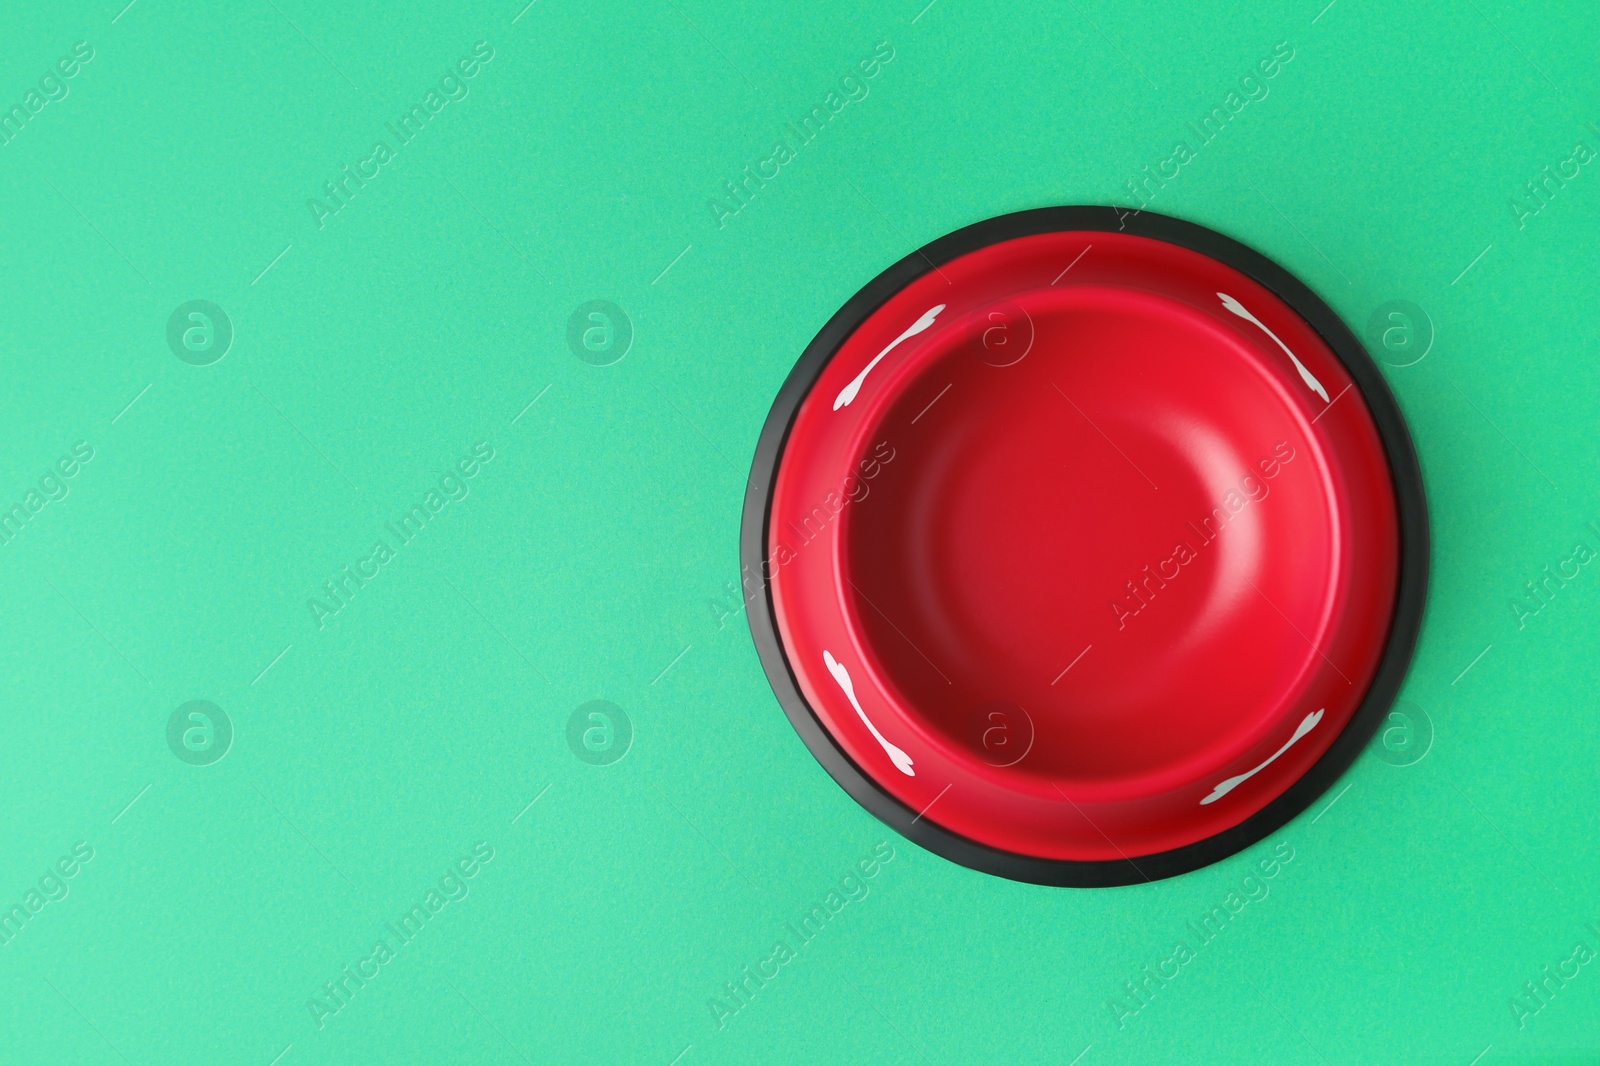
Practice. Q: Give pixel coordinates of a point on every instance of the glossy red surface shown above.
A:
(1085, 549)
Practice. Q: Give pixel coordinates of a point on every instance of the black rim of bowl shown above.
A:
(1410, 506)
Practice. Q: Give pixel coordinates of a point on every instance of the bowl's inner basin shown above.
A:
(1111, 533)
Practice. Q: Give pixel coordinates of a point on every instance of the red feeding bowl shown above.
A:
(1093, 546)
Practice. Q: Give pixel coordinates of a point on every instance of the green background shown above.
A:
(593, 556)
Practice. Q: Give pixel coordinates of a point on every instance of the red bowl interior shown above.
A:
(1108, 556)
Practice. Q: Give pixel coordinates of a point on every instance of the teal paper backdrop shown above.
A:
(380, 385)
